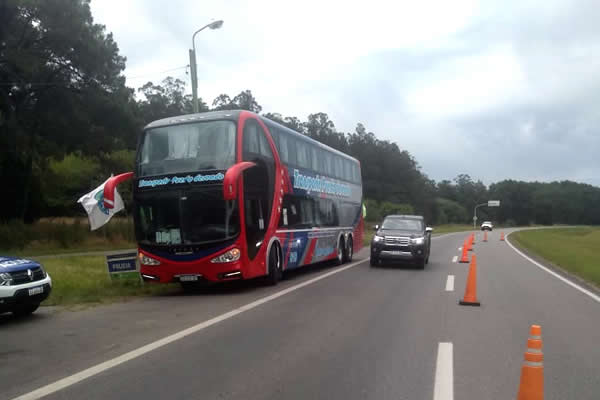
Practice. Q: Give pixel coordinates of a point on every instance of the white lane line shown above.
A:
(562, 278)
(444, 375)
(450, 283)
(96, 369)
(454, 259)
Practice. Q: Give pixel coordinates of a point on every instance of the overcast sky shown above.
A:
(496, 89)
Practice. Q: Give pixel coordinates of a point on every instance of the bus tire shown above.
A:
(339, 260)
(349, 250)
(275, 265)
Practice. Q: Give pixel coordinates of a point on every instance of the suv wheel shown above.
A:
(25, 309)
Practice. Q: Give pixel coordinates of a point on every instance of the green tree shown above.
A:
(61, 89)
(166, 100)
(223, 102)
(246, 101)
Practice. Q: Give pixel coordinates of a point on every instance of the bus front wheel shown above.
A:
(275, 265)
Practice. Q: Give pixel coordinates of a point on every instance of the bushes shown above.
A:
(64, 233)
(450, 212)
(376, 211)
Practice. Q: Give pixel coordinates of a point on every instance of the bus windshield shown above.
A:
(196, 217)
(186, 148)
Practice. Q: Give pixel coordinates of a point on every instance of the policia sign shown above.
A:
(122, 265)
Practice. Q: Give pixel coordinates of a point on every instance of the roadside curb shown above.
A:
(555, 268)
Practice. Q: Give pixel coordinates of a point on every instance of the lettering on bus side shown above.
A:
(177, 180)
(320, 184)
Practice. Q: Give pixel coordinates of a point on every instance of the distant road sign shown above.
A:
(493, 203)
(475, 218)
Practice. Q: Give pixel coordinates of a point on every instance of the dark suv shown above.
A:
(401, 238)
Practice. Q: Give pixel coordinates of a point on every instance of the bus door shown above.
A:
(259, 182)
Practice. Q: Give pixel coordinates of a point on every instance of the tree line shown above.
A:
(68, 120)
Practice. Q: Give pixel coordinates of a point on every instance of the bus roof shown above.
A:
(234, 115)
(307, 138)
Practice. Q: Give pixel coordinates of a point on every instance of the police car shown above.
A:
(23, 285)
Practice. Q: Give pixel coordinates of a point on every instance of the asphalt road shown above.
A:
(350, 332)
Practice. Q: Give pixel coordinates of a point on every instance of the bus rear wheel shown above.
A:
(339, 260)
(275, 266)
(349, 250)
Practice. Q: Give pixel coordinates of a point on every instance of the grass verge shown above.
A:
(574, 249)
(85, 280)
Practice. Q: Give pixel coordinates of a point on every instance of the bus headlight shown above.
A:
(377, 238)
(229, 256)
(419, 240)
(145, 260)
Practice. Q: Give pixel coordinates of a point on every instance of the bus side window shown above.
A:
(302, 155)
(283, 147)
(291, 149)
(265, 149)
(251, 141)
(315, 158)
(347, 170)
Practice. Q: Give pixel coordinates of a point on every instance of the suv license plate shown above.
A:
(36, 290)
(188, 278)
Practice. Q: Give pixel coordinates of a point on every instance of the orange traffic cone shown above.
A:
(502, 236)
(532, 371)
(464, 258)
(470, 298)
(472, 239)
(485, 236)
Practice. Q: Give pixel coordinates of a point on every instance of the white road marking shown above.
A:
(96, 369)
(444, 375)
(454, 259)
(450, 283)
(460, 249)
(565, 280)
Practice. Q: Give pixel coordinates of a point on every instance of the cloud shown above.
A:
(492, 89)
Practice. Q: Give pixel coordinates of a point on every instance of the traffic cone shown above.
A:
(464, 258)
(470, 298)
(485, 236)
(531, 386)
(470, 243)
(502, 236)
(472, 238)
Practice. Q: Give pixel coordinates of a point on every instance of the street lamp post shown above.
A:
(490, 203)
(212, 25)
(475, 214)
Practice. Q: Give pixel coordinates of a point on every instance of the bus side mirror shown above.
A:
(111, 185)
(428, 229)
(376, 227)
(231, 178)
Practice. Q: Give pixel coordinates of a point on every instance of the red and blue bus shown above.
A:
(232, 195)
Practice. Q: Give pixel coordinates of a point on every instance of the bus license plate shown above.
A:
(36, 290)
(188, 278)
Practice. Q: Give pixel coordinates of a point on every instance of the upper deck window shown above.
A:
(187, 148)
